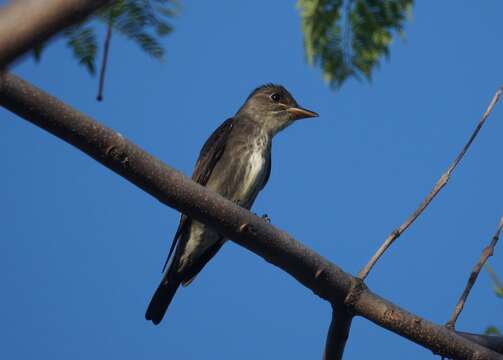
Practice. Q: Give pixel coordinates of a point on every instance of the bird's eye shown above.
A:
(275, 97)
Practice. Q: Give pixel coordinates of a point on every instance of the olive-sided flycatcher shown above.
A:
(235, 162)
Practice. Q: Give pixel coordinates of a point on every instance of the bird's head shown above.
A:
(274, 108)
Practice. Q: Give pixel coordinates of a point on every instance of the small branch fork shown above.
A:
(344, 326)
(486, 253)
(429, 198)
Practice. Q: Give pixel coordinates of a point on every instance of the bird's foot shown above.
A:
(266, 218)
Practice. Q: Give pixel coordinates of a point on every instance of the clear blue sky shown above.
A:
(82, 249)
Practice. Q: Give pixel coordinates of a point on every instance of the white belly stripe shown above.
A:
(254, 169)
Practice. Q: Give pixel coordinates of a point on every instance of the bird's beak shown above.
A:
(301, 113)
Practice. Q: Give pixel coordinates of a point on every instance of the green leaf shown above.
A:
(499, 291)
(144, 22)
(492, 330)
(82, 41)
(163, 29)
(348, 38)
(150, 45)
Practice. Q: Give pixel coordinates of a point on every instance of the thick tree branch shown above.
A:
(489, 341)
(433, 193)
(26, 23)
(248, 230)
(486, 253)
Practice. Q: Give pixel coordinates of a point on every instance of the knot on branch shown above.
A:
(117, 153)
(450, 325)
(247, 228)
(391, 317)
(356, 289)
(489, 250)
(395, 234)
(444, 179)
(319, 272)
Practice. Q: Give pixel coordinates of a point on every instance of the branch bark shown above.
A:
(248, 230)
(489, 341)
(27, 23)
(338, 333)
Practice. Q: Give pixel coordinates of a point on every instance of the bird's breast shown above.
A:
(254, 173)
(241, 172)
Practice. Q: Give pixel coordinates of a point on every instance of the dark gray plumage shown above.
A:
(236, 163)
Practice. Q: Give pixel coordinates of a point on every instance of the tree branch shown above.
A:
(489, 341)
(248, 230)
(486, 253)
(26, 23)
(436, 189)
(338, 333)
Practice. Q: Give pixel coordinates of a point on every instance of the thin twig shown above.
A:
(438, 186)
(104, 62)
(486, 253)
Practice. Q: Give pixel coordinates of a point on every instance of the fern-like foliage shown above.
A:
(347, 38)
(142, 21)
(81, 39)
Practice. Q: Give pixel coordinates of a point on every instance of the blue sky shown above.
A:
(82, 249)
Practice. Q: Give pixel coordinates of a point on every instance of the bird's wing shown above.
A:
(267, 170)
(211, 152)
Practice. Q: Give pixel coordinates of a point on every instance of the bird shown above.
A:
(235, 162)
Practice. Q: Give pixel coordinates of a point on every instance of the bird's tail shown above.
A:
(162, 298)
